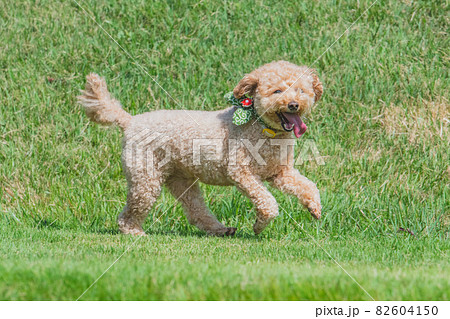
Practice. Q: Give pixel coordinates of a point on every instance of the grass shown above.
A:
(381, 127)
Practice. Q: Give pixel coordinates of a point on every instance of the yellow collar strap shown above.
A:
(269, 133)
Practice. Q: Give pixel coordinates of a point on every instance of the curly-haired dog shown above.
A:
(245, 156)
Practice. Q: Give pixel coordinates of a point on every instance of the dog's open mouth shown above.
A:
(292, 121)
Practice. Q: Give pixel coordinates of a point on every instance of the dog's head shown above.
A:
(282, 93)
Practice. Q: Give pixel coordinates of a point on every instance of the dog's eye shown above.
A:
(299, 89)
(277, 91)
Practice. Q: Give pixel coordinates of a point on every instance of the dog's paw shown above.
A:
(230, 231)
(223, 231)
(315, 210)
(132, 231)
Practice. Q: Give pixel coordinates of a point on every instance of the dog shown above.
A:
(274, 97)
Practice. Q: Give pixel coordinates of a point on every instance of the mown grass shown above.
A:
(381, 127)
(177, 266)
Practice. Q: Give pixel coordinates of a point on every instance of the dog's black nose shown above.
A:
(293, 106)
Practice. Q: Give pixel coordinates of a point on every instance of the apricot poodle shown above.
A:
(243, 145)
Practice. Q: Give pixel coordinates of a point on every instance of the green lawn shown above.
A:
(382, 129)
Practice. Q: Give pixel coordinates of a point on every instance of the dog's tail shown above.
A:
(100, 107)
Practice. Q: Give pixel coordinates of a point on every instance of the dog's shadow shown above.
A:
(241, 234)
(182, 233)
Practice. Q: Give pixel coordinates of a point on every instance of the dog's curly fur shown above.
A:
(180, 129)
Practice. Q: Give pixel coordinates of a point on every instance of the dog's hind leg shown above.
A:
(189, 194)
(142, 194)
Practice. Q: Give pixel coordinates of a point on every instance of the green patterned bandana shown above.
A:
(242, 116)
(244, 111)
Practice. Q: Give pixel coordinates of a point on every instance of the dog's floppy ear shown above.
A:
(246, 86)
(317, 86)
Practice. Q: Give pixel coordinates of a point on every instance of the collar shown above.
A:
(267, 130)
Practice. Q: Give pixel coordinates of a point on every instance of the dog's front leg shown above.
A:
(292, 182)
(266, 205)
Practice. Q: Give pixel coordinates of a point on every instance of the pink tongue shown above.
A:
(299, 126)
